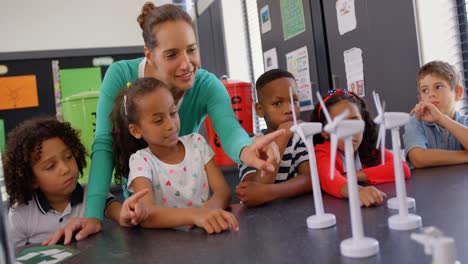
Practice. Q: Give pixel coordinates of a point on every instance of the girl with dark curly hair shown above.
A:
(367, 159)
(42, 163)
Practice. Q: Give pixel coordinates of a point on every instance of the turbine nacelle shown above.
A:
(308, 128)
(392, 119)
(345, 128)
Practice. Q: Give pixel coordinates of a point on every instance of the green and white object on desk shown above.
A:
(45, 254)
(358, 246)
(306, 132)
(394, 120)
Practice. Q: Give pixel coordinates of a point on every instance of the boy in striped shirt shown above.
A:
(292, 174)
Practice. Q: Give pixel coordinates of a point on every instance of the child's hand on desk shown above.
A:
(133, 212)
(253, 193)
(214, 220)
(370, 195)
(85, 226)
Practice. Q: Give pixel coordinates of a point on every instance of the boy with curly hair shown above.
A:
(43, 160)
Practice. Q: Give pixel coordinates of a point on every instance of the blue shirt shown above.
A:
(420, 134)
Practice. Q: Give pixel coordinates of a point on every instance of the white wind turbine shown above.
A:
(394, 120)
(358, 246)
(389, 121)
(306, 131)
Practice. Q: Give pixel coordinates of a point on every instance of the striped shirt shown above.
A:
(294, 154)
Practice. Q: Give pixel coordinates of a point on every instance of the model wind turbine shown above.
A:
(306, 131)
(358, 246)
(390, 121)
(394, 120)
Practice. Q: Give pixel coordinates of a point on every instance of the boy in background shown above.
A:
(437, 135)
(292, 175)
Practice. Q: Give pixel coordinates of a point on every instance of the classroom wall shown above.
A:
(29, 25)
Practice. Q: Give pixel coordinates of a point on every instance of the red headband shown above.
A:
(332, 93)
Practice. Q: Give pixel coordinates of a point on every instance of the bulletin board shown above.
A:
(25, 66)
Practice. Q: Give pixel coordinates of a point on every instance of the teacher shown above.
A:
(172, 56)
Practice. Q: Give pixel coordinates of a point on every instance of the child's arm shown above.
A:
(332, 187)
(422, 158)
(338, 187)
(221, 194)
(382, 173)
(254, 193)
(131, 213)
(429, 113)
(212, 220)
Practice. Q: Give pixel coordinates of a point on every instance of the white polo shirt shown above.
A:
(35, 222)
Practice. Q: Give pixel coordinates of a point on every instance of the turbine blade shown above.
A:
(377, 102)
(379, 137)
(292, 105)
(324, 108)
(382, 147)
(334, 145)
(340, 117)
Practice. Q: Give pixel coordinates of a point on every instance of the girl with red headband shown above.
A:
(369, 169)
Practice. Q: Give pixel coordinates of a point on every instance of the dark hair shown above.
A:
(270, 76)
(442, 69)
(124, 113)
(23, 149)
(151, 16)
(367, 151)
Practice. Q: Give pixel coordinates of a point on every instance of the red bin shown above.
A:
(241, 101)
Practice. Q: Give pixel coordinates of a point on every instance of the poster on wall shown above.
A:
(270, 59)
(346, 15)
(266, 19)
(354, 68)
(18, 92)
(292, 17)
(298, 64)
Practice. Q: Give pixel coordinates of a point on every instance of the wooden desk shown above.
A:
(277, 232)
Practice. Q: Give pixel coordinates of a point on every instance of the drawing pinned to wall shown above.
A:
(292, 17)
(298, 64)
(266, 19)
(346, 15)
(270, 59)
(18, 92)
(354, 67)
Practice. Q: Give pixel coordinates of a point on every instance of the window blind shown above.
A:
(460, 12)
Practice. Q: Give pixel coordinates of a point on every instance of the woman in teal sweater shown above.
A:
(171, 55)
